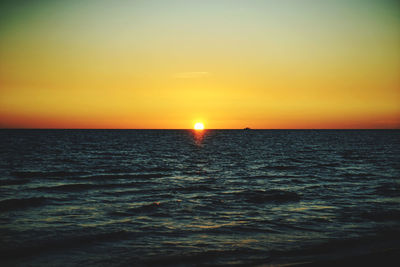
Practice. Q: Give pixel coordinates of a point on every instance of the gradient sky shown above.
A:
(231, 64)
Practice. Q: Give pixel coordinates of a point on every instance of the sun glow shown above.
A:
(199, 126)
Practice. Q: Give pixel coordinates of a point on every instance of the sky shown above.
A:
(166, 64)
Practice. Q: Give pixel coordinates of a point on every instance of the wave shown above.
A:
(274, 195)
(123, 176)
(304, 180)
(67, 187)
(21, 203)
(41, 174)
(156, 169)
(327, 165)
(193, 188)
(281, 168)
(388, 190)
(83, 175)
(13, 182)
(87, 186)
(350, 154)
(382, 215)
(146, 208)
(358, 175)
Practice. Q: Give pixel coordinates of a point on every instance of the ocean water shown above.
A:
(182, 198)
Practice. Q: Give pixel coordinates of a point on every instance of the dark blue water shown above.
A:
(155, 197)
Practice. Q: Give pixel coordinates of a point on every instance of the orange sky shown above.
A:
(230, 64)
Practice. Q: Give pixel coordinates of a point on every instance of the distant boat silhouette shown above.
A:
(247, 128)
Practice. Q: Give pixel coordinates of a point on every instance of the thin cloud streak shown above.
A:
(191, 75)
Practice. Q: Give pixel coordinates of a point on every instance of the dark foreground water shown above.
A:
(154, 197)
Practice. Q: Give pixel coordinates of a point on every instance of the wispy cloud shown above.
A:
(191, 75)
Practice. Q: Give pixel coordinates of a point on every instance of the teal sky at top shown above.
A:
(200, 16)
(248, 26)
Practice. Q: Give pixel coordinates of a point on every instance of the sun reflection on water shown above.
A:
(198, 136)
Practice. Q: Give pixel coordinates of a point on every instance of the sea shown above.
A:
(196, 198)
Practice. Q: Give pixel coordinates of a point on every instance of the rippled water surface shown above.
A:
(159, 197)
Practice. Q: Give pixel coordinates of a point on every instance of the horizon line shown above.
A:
(191, 129)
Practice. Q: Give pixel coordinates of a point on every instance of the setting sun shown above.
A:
(199, 126)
